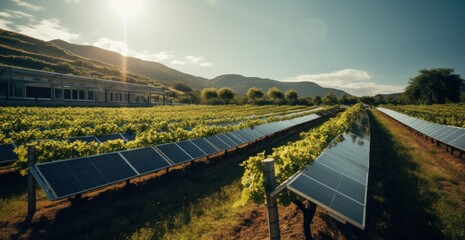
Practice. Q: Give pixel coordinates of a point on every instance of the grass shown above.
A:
(198, 219)
(416, 194)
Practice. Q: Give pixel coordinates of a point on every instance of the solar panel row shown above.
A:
(337, 180)
(452, 136)
(66, 178)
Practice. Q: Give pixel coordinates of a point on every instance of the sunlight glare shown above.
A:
(127, 8)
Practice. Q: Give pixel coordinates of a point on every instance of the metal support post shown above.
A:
(271, 202)
(31, 185)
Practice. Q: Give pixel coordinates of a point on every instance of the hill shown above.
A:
(148, 69)
(24, 51)
(241, 84)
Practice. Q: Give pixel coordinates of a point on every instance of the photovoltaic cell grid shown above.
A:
(70, 177)
(66, 178)
(7, 154)
(452, 136)
(338, 179)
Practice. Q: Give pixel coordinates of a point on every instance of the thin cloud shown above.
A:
(178, 62)
(16, 14)
(5, 24)
(353, 81)
(122, 48)
(47, 29)
(73, 1)
(27, 5)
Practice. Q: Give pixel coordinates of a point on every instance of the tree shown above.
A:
(254, 93)
(275, 95)
(291, 96)
(317, 100)
(437, 85)
(226, 94)
(181, 87)
(209, 95)
(330, 99)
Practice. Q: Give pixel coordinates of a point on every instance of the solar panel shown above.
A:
(227, 140)
(446, 134)
(174, 153)
(454, 135)
(206, 147)
(83, 139)
(218, 143)
(7, 154)
(245, 135)
(71, 177)
(459, 142)
(337, 180)
(145, 160)
(236, 138)
(191, 149)
(109, 137)
(129, 136)
(253, 132)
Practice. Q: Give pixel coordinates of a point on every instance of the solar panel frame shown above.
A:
(193, 150)
(108, 137)
(218, 143)
(109, 178)
(7, 154)
(143, 166)
(87, 139)
(174, 153)
(205, 145)
(235, 138)
(227, 140)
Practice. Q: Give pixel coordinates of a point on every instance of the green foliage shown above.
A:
(254, 93)
(226, 94)
(437, 85)
(181, 87)
(291, 96)
(275, 95)
(154, 125)
(317, 100)
(209, 95)
(292, 158)
(330, 99)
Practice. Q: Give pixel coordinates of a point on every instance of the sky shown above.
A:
(363, 47)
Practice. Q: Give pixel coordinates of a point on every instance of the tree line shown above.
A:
(430, 86)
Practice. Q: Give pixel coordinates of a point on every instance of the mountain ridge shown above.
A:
(240, 84)
(150, 69)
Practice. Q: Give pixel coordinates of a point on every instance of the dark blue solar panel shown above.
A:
(174, 153)
(7, 154)
(78, 175)
(253, 132)
(109, 137)
(205, 146)
(129, 136)
(236, 138)
(112, 167)
(145, 160)
(83, 139)
(227, 140)
(245, 135)
(218, 143)
(191, 149)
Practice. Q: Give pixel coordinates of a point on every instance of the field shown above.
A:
(413, 193)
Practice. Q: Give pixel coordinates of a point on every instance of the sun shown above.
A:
(127, 8)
